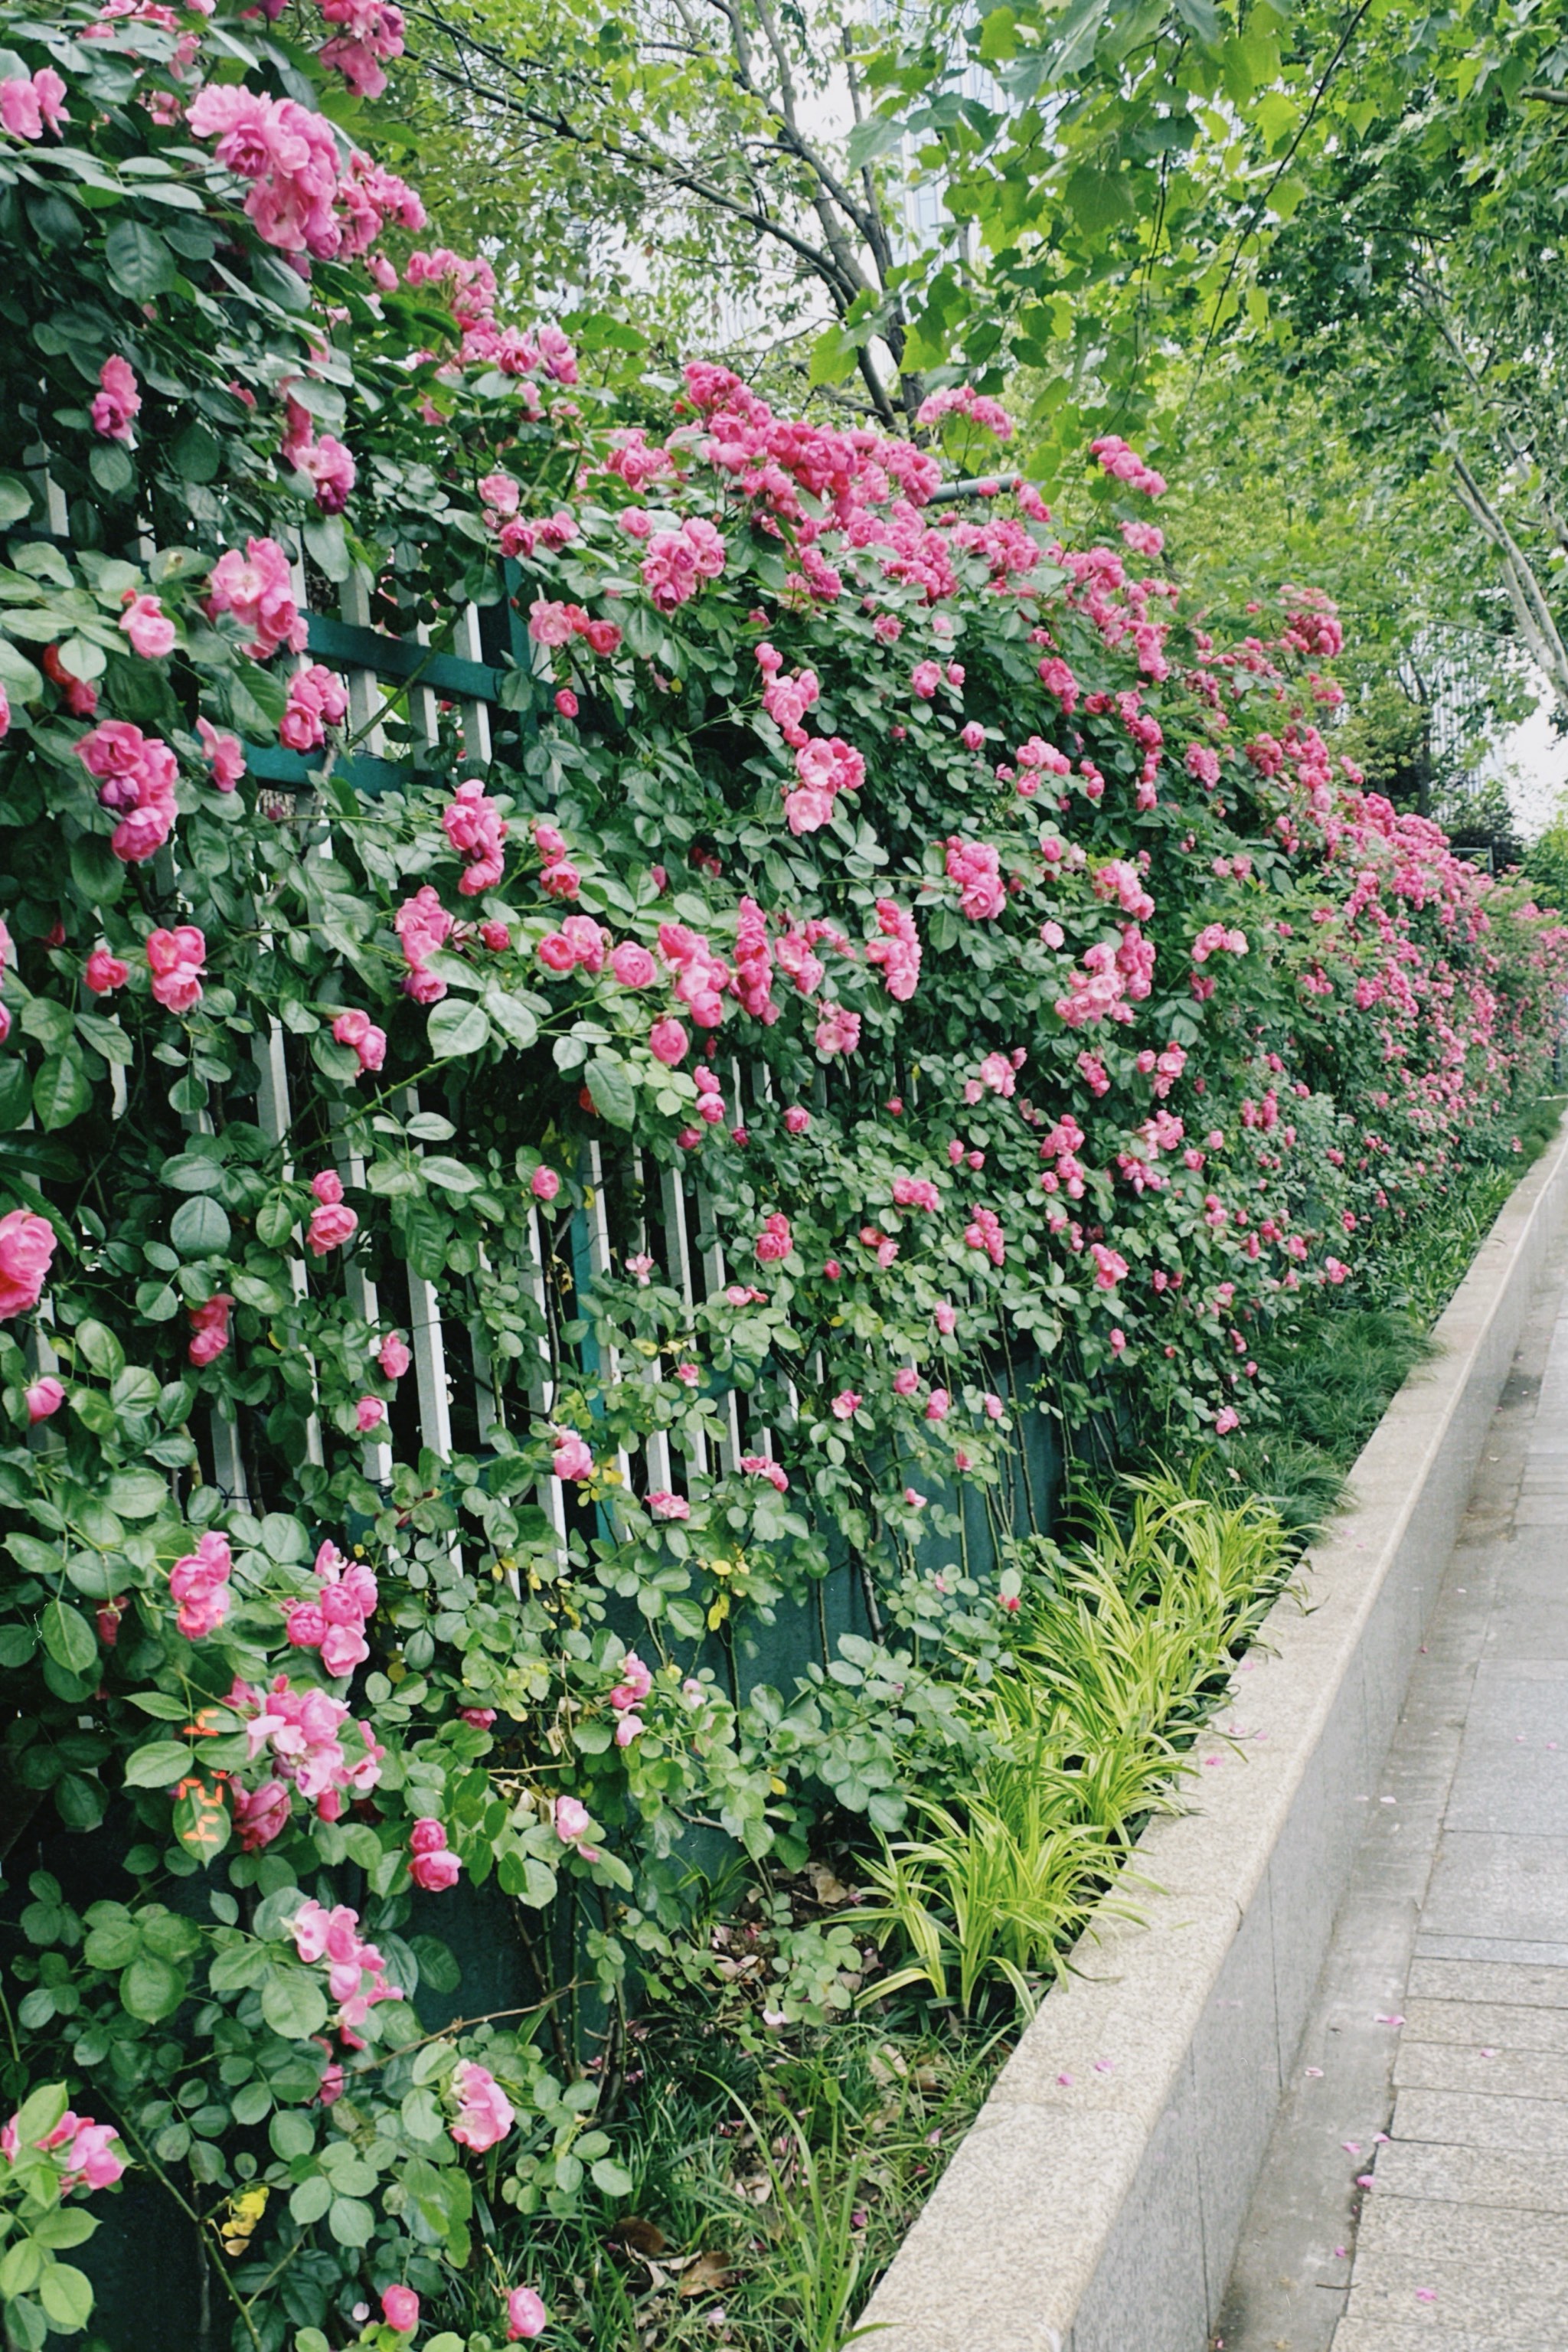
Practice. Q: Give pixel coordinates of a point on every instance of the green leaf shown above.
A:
(160, 1763)
(68, 1638)
(609, 2176)
(42, 2109)
(112, 469)
(456, 1028)
(611, 1085)
(16, 1094)
(60, 1091)
(96, 871)
(65, 2295)
(517, 1024)
(1099, 200)
(437, 1967)
(195, 454)
(138, 1494)
(328, 546)
(350, 2221)
(152, 1988)
(191, 1172)
(293, 2004)
(199, 1228)
(450, 1175)
(103, 1351)
(21, 2270)
(292, 2134)
(15, 501)
(140, 263)
(310, 2200)
(875, 135)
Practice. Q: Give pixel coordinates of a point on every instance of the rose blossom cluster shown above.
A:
(371, 34)
(679, 562)
(199, 1583)
(209, 1328)
(137, 775)
(316, 700)
(176, 960)
(301, 1732)
(476, 829)
(256, 588)
(432, 1863)
(87, 2151)
(423, 927)
(627, 1696)
(357, 1030)
(824, 766)
(302, 199)
(333, 1623)
(975, 866)
(1124, 465)
(329, 466)
(897, 949)
(357, 1972)
(28, 103)
(333, 1223)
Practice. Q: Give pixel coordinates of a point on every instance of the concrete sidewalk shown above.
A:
(1416, 2194)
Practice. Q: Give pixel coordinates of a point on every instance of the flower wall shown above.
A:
(1005, 970)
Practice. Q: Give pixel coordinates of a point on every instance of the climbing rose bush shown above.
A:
(1038, 1008)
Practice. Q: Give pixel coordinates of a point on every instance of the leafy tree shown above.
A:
(698, 165)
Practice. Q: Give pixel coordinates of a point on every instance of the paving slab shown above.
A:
(1472, 2175)
(1490, 2024)
(1488, 1980)
(1477, 2066)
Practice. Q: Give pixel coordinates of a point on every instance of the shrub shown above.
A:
(1008, 964)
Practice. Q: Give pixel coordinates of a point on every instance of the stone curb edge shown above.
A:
(1096, 2203)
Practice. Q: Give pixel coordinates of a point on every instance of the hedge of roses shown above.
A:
(1020, 977)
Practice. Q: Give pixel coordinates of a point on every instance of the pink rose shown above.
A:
(260, 1814)
(225, 755)
(571, 1820)
(629, 1729)
(666, 1506)
(632, 965)
(938, 1405)
(393, 1357)
(796, 1120)
(545, 1184)
(305, 1625)
(525, 2314)
(119, 398)
(368, 1414)
(42, 1397)
(176, 960)
(668, 1042)
(27, 1246)
(845, 1404)
(572, 1458)
(400, 2309)
(103, 973)
(434, 1869)
(148, 626)
(485, 2113)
